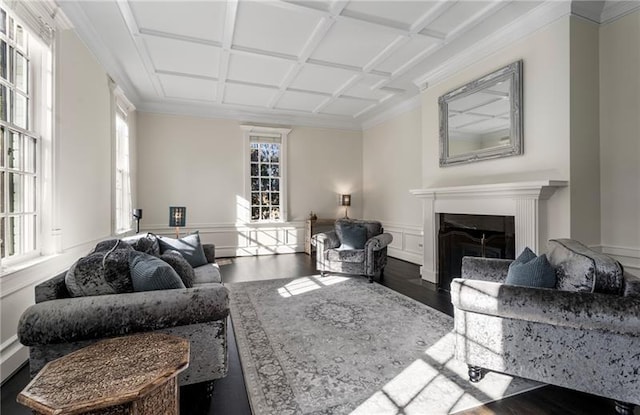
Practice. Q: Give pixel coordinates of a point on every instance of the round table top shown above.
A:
(107, 373)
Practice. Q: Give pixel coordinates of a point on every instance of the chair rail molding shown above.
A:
(518, 199)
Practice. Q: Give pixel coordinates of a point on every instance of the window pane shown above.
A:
(264, 153)
(16, 193)
(29, 164)
(275, 170)
(3, 28)
(14, 150)
(255, 198)
(21, 37)
(14, 236)
(275, 198)
(254, 169)
(264, 170)
(264, 198)
(4, 64)
(2, 196)
(275, 213)
(4, 101)
(2, 236)
(275, 153)
(254, 152)
(255, 213)
(21, 72)
(264, 184)
(264, 213)
(20, 108)
(275, 185)
(11, 28)
(255, 185)
(2, 149)
(29, 194)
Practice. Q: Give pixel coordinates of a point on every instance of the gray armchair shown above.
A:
(583, 335)
(331, 255)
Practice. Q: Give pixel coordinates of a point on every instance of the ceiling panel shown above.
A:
(183, 87)
(456, 15)
(362, 88)
(346, 106)
(406, 12)
(258, 69)
(183, 57)
(321, 78)
(254, 96)
(405, 53)
(353, 44)
(299, 101)
(262, 25)
(203, 20)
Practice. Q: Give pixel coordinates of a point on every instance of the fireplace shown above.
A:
(486, 236)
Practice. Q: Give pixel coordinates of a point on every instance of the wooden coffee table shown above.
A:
(133, 375)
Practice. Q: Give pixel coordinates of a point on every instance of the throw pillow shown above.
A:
(144, 243)
(189, 247)
(86, 277)
(115, 266)
(353, 236)
(149, 273)
(181, 266)
(530, 270)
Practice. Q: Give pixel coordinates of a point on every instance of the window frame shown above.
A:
(31, 246)
(121, 107)
(271, 132)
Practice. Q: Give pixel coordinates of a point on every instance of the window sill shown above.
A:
(12, 268)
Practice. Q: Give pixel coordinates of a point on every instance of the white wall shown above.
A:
(620, 139)
(198, 163)
(392, 165)
(546, 89)
(585, 135)
(82, 188)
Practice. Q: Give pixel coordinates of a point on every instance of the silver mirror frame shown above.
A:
(513, 72)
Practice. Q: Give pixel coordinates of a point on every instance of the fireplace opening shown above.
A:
(472, 235)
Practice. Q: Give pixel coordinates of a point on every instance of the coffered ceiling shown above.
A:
(332, 63)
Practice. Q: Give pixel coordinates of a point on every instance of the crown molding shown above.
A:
(614, 10)
(537, 18)
(398, 109)
(240, 114)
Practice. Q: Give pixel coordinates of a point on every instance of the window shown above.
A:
(19, 143)
(266, 167)
(122, 168)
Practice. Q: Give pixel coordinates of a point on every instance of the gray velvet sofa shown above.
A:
(59, 324)
(369, 261)
(583, 335)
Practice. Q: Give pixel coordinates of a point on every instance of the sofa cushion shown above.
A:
(579, 268)
(189, 247)
(208, 273)
(529, 270)
(149, 273)
(181, 266)
(373, 227)
(353, 236)
(147, 243)
(345, 255)
(104, 271)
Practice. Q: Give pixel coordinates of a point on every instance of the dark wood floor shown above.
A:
(230, 396)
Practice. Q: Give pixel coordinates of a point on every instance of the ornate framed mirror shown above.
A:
(483, 119)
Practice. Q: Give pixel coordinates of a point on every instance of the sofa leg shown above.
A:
(323, 274)
(476, 373)
(208, 387)
(624, 408)
(370, 279)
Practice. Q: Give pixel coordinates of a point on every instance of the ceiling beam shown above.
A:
(227, 40)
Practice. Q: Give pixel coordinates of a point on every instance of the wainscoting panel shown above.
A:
(628, 257)
(407, 242)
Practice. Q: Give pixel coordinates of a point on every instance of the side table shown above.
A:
(132, 375)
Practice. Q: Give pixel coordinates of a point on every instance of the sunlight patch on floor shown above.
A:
(307, 284)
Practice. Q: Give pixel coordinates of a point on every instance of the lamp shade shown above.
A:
(177, 216)
(137, 214)
(345, 200)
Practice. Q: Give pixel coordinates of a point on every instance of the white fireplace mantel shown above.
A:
(518, 199)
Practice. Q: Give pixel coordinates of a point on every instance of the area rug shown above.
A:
(339, 345)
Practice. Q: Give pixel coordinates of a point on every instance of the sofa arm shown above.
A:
(581, 310)
(86, 318)
(631, 286)
(378, 242)
(485, 269)
(325, 240)
(209, 252)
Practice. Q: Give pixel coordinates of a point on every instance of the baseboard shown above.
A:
(14, 355)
